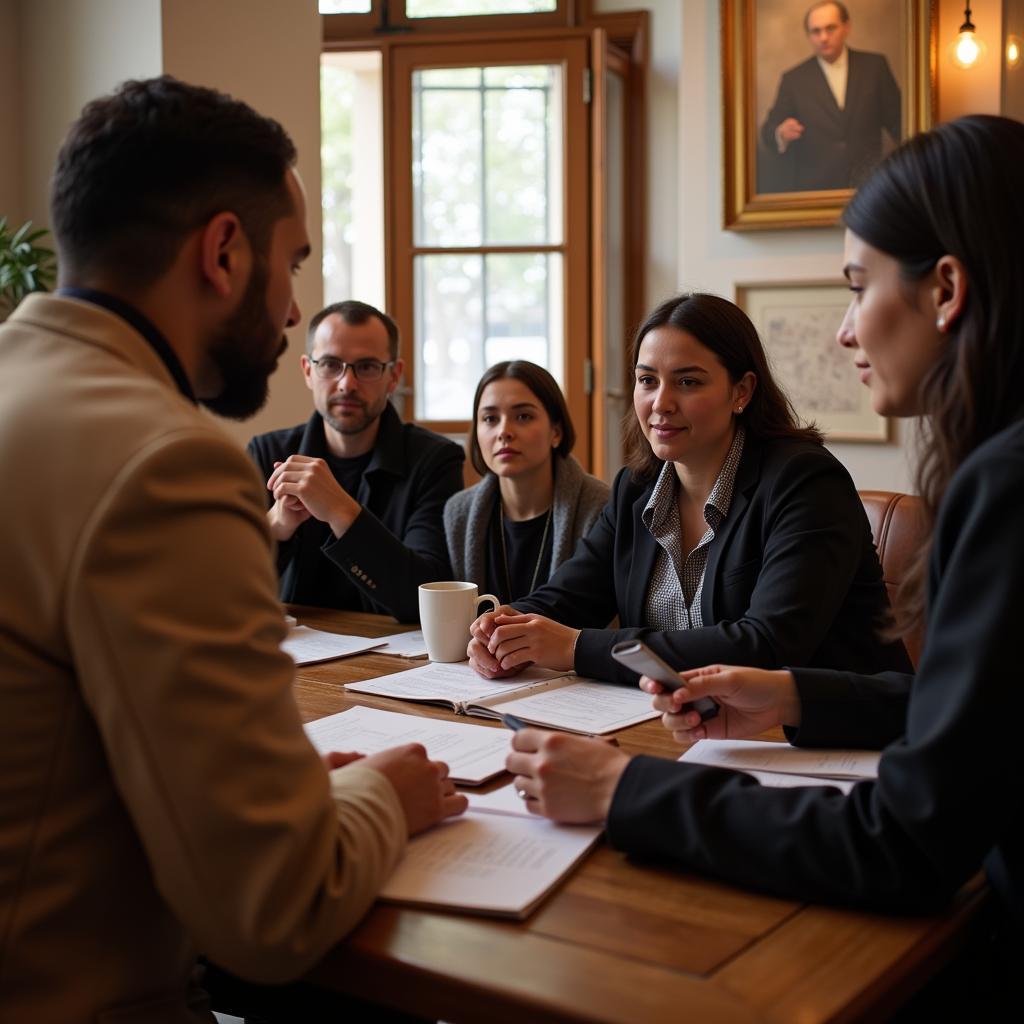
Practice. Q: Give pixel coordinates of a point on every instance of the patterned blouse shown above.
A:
(677, 582)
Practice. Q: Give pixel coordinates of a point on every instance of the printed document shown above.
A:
(473, 753)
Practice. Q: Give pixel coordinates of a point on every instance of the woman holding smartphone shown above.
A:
(732, 534)
(509, 532)
(935, 329)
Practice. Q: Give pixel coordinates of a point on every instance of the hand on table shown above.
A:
(426, 793)
(566, 778)
(750, 701)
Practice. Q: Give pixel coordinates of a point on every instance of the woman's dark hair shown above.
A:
(544, 387)
(956, 191)
(722, 327)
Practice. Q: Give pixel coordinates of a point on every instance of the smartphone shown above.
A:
(635, 654)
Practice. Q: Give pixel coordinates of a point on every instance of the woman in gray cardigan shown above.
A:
(509, 532)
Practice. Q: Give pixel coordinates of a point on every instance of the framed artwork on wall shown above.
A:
(814, 95)
(797, 324)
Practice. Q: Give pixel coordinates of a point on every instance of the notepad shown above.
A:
(501, 863)
(779, 764)
(307, 645)
(474, 753)
(405, 645)
(538, 696)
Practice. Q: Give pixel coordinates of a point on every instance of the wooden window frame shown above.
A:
(389, 17)
(629, 32)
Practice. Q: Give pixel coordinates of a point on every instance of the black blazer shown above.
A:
(838, 147)
(950, 790)
(396, 543)
(792, 576)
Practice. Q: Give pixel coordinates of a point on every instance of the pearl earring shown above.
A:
(941, 323)
(739, 408)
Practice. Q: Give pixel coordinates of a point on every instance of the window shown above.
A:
(511, 194)
(352, 160)
(487, 226)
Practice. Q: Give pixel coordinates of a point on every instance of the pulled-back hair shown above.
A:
(956, 191)
(143, 167)
(722, 327)
(545, 389)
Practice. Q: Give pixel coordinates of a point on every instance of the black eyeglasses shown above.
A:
(329, 368)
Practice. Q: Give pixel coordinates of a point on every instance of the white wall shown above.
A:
(714, 260)
(266, 52)
(73, 51)
(56, 55)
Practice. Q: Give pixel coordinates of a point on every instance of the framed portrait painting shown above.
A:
(798, 324)
(814, 95)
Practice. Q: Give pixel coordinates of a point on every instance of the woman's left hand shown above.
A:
(518, 640)
(566, 778)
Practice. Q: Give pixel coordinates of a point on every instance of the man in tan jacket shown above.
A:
(157, 794)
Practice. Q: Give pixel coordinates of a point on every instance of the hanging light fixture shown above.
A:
(967, 48)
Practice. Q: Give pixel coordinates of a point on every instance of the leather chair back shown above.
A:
(897, 526)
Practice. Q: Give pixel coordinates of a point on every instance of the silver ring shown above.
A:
(522, 794)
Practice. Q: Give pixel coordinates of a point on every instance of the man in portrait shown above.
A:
(825, 128)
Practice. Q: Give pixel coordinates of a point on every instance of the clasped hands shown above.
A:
(504, 642)
(304, 487)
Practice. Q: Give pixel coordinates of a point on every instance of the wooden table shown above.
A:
(621, 941)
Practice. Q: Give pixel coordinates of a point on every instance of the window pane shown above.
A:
(522, 123)
(487, 155)
(352, 169)
(449, 329)
(455, 8)
(473, 311)
(345, 6)
(446, 168)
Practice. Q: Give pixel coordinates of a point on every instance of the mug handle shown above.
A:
(487, 597)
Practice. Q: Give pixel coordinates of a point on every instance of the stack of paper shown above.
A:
(556, 700)
(474, 753)
(405, 645)
(307, 645)
(496, 859)
(779, 764)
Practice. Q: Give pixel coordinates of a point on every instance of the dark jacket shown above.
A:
(838, 147)
(397, 541)
(792, 576)
(950, 789)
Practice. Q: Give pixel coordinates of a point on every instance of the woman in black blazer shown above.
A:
(936, 328)
(732, 535)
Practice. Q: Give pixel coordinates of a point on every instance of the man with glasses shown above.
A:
(356, 496)
(825, 128)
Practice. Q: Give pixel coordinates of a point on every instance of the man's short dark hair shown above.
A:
(145, 166)
(354, 312)
(844, 14)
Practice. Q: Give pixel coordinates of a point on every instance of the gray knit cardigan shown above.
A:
(579, 498)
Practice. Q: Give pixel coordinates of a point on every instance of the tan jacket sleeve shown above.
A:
(175, 627)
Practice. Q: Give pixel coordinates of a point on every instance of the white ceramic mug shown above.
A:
(447, 610)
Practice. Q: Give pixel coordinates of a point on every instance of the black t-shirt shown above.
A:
(528, 546)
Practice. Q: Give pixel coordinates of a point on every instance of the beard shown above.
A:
(356, 424)
(239, 351)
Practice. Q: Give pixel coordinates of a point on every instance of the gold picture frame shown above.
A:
(797, 323)
(762, 40)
